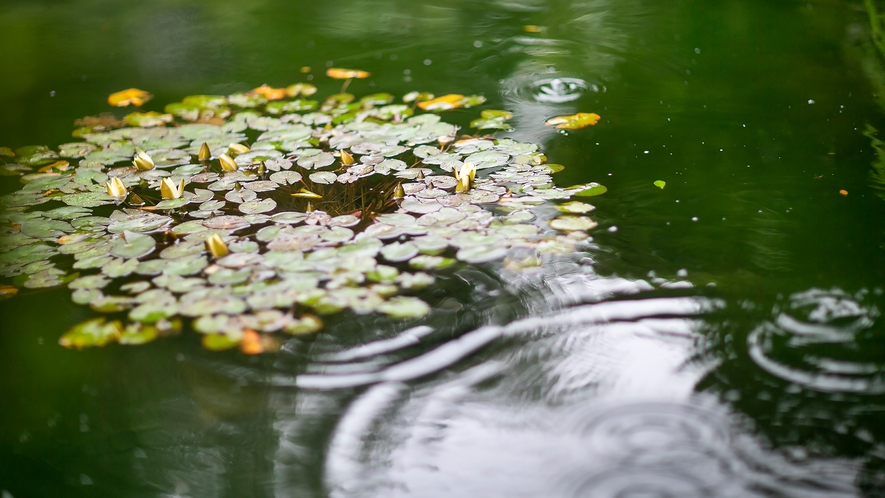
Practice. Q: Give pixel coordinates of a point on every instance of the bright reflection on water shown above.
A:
(720, 337)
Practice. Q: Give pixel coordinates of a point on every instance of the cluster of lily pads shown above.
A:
(341, 204)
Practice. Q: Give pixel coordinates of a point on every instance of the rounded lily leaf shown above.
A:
(589, 190)
(404, 307)
(323, 177)
(258, 206)
(226, 222)
(575, 207)
(286, 177)
(320, 160)
(88, 199)
(481, 254)
(95, 332)
(133, 245)
(572, 223)
(399, 251)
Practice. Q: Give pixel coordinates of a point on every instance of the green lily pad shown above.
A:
(133, 245)
(258, 206)
(399, 251)
(95, 332)
(404, 307)
(88, 199)
(589, 190)
(572, 223)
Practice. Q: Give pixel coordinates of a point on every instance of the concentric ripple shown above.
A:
(822, 340)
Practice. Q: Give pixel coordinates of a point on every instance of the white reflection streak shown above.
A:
(457, 349)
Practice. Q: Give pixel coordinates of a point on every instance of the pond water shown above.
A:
(722, 337)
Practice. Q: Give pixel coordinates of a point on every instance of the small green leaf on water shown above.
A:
(93, 332)
(660, 183)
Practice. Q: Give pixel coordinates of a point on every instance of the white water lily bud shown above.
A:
(168, 189)
(216, 246)
(465, 177)
(227, 164)
(142, 161)
(116, 188)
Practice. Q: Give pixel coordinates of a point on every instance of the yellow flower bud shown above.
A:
(143, 161)
(168, 189)
(399, 192)
(237, 149)
(346, 158)
(227, 164)
(216, 246)
(205, 153)
(116, 188)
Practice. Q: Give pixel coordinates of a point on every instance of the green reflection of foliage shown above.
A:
(877, 175)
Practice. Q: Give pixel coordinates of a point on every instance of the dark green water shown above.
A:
(723, 338)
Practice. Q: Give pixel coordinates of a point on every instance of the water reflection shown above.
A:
(596, 399)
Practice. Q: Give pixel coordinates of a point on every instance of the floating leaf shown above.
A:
(95, 332)
(660, 183)
(405, 307)
(573, 122)
(88, 199)
(589, 190)
(323, 177)
(258, 206)
(572, 223)
(133, 245)
(444, 103)
(344, 74)
(131, 96)
(575, 207)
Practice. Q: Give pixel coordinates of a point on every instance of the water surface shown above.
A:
(722, 337)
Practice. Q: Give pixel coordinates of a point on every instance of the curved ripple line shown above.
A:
(453, 351)
(812, 380)
(410, 337)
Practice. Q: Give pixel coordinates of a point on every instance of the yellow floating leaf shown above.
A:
(444, 103)
(269, 93)
(346, 74)
(131, 96)
(574, 122)
(531, 28)
(58, 165)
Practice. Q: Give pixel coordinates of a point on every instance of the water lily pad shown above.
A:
(319, 160)
(286, 177)
(589, 190)
(95, 332)
(405, 307)
(399, 251)
(226, 222)
(323, 177)
(481, 253)
(571, 223)
(258, 206)
(133, 245)
(88, 199)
